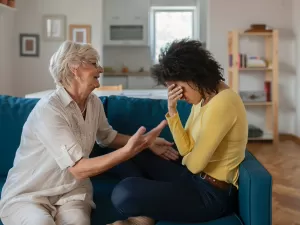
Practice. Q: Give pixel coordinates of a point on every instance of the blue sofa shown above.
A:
(126, 115)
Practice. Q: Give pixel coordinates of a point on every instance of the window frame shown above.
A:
(155, 9)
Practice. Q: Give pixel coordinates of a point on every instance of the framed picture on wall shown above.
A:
(54, 27)
(80, 33)
(29, 45)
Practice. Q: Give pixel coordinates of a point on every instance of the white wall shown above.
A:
(31, 74)
(296, 26)
(6, 54)
(239, 14)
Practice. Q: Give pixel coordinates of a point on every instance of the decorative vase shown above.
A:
(3, 2)
(11, 3)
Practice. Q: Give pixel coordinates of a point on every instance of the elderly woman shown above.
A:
(49, 183)
(212, 144)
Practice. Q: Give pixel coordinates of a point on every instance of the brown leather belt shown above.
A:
(217, 183)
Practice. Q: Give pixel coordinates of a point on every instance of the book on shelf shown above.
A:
(245, 61)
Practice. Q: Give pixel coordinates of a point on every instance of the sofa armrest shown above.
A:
(255, 192)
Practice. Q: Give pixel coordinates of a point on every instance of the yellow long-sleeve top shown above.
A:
(214, 138)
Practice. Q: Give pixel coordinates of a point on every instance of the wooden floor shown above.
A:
(283, 162)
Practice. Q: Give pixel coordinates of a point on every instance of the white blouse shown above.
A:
(54, 137)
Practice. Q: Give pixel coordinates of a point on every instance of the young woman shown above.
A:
(212, 144)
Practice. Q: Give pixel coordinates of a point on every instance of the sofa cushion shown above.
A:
(228, 220)
(127, 114)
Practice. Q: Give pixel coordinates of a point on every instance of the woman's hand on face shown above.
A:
(174, 94)
(163, 148)
(140, 141)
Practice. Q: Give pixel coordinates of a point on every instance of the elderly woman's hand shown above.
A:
(163, 148)
(140, 141)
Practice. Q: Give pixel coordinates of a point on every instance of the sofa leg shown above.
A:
(139, 220)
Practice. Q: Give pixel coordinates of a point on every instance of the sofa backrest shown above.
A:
(127, 114)
(13, 114)
(255, 192)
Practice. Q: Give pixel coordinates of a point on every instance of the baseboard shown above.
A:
(289, 137)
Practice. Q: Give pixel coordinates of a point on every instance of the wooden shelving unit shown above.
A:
(270, 74)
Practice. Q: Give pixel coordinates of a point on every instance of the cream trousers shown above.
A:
(71, 213)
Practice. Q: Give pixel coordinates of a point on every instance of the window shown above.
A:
(170, 23)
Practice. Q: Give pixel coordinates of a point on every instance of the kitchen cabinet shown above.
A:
(126, 22)
(114, 9)
(137, 10)
(126, 11)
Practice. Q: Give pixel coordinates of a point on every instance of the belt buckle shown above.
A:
(203, 177)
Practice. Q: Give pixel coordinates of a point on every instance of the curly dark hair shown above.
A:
(188, 61)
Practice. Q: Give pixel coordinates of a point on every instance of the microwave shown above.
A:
(134, 33)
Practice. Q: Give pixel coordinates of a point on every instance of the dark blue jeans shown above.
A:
(166, 190)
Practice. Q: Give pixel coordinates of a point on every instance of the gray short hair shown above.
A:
(70, 54)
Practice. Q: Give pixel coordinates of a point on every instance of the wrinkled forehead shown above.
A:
(92, 60)
(91, 56)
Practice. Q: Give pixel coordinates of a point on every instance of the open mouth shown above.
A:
(96, 77)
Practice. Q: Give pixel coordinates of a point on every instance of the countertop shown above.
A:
(136, 93)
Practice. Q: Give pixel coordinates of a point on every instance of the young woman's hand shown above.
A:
(174, 94)
(140, 141)
(163, 148)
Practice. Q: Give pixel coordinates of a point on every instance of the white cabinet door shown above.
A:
(114, 10)
(126, 10)
(137, 10)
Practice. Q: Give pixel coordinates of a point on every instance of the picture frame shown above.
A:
(29, 45)
(80, 33)
(54, 27)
